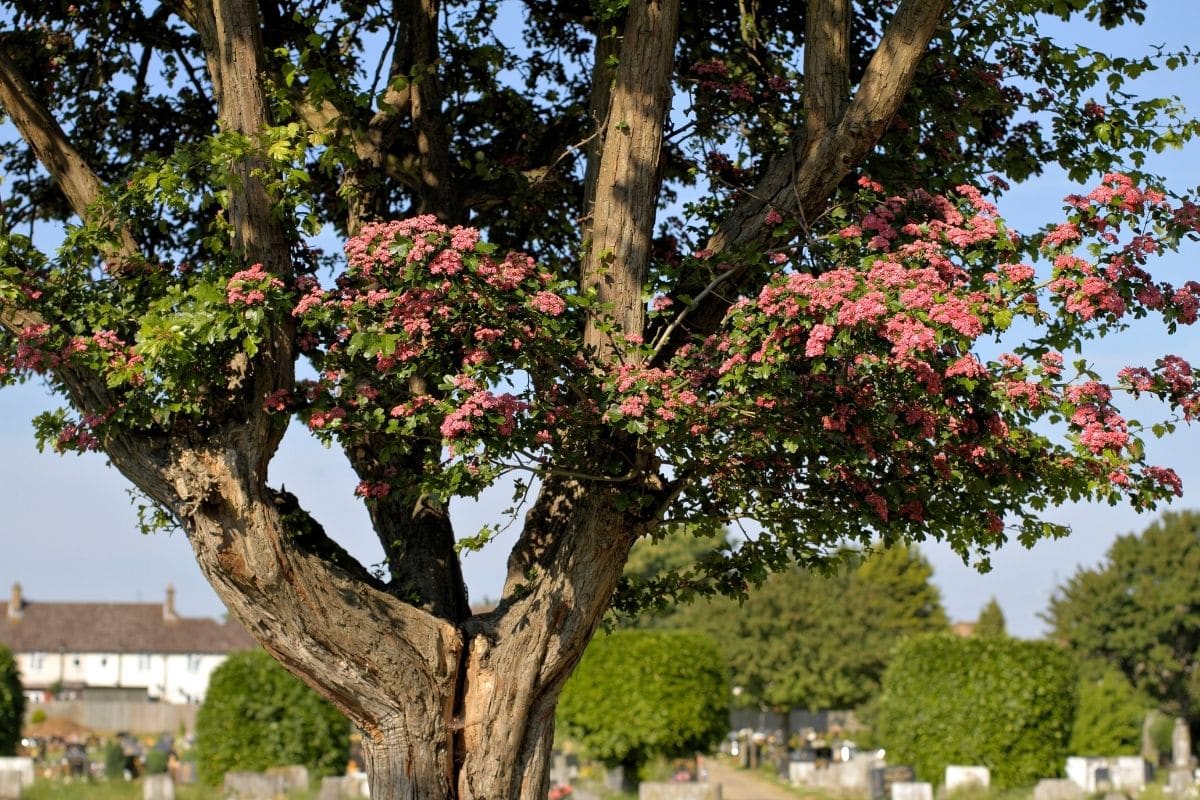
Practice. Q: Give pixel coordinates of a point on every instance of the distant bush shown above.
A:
(12, 703)
(257, 715)
(37, 716)
(1006, 704)
(639, 693)
(1109, 718)
(114, 761)
(156, 762)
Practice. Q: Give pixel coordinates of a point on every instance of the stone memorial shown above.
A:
(10, 784)
(881, 778)
(344, 787)
(801, 773)
(652, 790)
(912, 790)
(294, 777)
(1057, 789)
(23, 765)
(252, 786)
(959, 777)
(1130, 774)
(1181, 781)
(158, 787)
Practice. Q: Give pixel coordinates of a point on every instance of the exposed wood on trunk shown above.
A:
(628, 179)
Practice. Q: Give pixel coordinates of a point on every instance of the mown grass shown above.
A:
(43, 789)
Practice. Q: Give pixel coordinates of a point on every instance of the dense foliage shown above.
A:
(639, 694)
(1110, 714)
(12, 703)
(255, 715)
(816, 641)
(1003, 703)
(1134, 611)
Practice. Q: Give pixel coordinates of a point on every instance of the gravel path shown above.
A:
(739, 784)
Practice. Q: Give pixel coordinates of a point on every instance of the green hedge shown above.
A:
(1002, 703)
(257, 715)
(641, 693)
(12, 703)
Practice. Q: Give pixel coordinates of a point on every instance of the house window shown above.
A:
(144, 662)
(37, 661)
(193, 663)
(75, 661)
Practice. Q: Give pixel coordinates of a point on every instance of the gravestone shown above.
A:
(651, 790)
(345, 787)
(10, 784)
(958, 777)
(1057, 789)
(252, 786)
(881, 778)
(158, 787)
(23, 765)
(801, 773)
(1088, 773)
(912, 790)
(1181, 745)
(294, 777)
(1130, 774)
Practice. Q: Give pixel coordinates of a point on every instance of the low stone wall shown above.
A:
(110, 716)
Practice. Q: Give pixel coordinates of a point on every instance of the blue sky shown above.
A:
(69, 529)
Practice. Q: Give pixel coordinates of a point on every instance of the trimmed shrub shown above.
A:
(1006, 704)
(12, 703)
(643, 693)
(156, 762)
(114, 761)
(257, 715)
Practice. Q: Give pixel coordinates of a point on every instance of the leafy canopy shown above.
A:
(842, 394)
(814, 641)
(1133, 611)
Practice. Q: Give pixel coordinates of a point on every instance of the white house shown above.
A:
(117, 651)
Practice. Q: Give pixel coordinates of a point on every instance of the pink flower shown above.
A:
(548, 303)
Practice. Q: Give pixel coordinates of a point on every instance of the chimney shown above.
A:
(16, 605)
(169, 614)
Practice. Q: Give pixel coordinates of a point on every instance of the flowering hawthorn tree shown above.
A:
(798, 348)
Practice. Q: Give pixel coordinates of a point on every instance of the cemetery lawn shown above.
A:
(125, 790)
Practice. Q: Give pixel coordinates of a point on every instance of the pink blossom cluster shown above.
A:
(249, 287)
(462, 420)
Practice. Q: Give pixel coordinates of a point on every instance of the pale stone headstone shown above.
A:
(1057, 789)
(650, 790)
(1181, 782)
(1130, 774)
(958, 777)
(882, 777)
(1088, 773)
(912, 790)
(854, 775)
(22, 765)
(800, 773)
(10, 784)
(252, 786)
(294, 777)
(1181, 745)
(158, 787)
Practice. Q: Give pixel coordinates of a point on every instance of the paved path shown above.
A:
(740, 784)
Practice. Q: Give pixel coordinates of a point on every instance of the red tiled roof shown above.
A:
(115, 628)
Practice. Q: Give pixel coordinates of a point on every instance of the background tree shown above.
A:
(814, 641)
(1007, 704)
(255, 715)
(991, 620)
(1110, 714)
(12, 704)
(638, 694)
(798, 349)
(1134, 611)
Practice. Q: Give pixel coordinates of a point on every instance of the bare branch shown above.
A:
(50, 144)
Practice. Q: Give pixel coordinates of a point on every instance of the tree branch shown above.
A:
(826, 64)
(50, 144)
(628, 178)
(801, 181)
